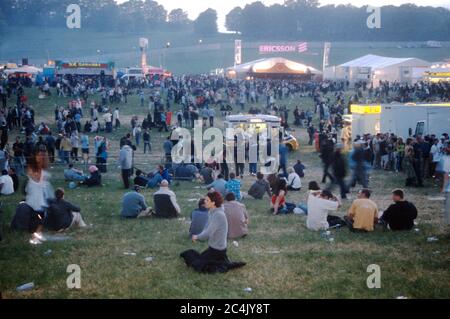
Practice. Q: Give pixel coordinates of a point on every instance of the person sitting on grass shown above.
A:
(299, 169)
(26, 219)
(234, 186)
(134, 205)
(313, 187)
(278, 202)
(199, 218)
(218, 185)
(94, 179)
(62, 215)
(237, 217)
(140, 179)
(160, 175)
(165, 202)
(294, 181)
(320, 204)
(6, 184)
(214, 258)
(259, 187)
(186, 172)
(207, 174)
(74, 175)
(363, 214)
(401, 214)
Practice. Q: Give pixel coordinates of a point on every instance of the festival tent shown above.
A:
(374, 68)
(273, 68)
(26, 69)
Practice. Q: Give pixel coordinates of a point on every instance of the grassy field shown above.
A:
(185, 55)
(284, 259)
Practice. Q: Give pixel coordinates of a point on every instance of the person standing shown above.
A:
(75, 142)
(126, 164)
(137, 134)
(85, 148)
(50, 144)
(339, 167)
(211, 114)
(146, 138)
(19, 160)
(446, 184)
(116, 117)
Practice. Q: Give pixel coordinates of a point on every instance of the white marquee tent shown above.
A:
(373, 68)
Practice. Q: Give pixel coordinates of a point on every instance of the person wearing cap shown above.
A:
(363, 214)
(94, 179)
(134, 205)
(165, 201)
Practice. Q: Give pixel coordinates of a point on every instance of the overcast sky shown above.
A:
(195, 7)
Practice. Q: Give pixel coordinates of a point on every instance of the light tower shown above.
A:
(143, 44)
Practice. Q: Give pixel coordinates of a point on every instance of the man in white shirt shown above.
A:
(6, 184)
(320, 204)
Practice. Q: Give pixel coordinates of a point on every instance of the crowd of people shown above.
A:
(221, 214)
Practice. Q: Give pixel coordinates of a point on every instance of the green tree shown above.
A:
(206, 23)
(233, 19)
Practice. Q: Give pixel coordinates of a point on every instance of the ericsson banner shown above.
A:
(283, 48)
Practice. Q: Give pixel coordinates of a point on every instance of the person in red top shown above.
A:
(278, 202)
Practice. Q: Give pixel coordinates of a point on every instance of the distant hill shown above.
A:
(185, 54)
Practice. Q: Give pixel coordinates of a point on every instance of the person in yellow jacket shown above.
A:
(66, 147)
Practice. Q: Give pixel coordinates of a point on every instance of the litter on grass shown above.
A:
(431, 239)
(127, 253)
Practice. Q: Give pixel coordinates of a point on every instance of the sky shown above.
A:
(195, 7)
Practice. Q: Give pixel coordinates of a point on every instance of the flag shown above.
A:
(302, 47)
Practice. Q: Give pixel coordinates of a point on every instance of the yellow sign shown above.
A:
(365, 109)
(439, 74)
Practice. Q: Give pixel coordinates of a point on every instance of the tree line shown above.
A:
(293, 20)
(306, 19)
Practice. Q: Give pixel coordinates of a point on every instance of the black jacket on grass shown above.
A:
(400, 216)
(59, 215)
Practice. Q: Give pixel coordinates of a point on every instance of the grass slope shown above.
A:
(284, 259)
